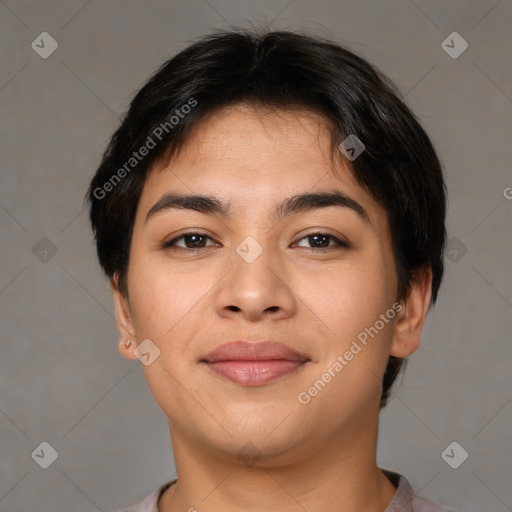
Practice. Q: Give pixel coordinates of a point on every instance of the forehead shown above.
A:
(253, 156)
(230, 131)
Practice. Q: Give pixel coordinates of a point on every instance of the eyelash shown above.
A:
(339, 243)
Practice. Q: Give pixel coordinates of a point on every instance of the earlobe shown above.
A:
(124, 321)
(126, 348)
(409, 323)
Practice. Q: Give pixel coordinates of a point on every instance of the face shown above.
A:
(315, 277)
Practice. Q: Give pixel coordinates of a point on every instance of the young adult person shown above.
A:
(271, 216)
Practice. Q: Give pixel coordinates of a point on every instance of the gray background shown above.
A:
(62, 379)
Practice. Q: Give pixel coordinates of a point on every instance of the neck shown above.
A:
(340, 472)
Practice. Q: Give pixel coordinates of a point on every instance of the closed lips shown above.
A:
(253, 364)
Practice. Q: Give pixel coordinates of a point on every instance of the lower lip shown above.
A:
(254, 373)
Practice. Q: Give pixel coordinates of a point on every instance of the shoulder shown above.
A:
(422, 504)
(406, 500)
(149, 503)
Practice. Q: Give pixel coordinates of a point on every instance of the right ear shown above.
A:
(124, 320)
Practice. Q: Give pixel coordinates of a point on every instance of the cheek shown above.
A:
(164, 297)
(350, 297)
(353, 354)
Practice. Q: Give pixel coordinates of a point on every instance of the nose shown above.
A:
(256, 290)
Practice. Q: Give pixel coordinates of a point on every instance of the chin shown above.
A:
(261, 451)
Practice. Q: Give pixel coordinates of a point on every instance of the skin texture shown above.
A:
(316, 300)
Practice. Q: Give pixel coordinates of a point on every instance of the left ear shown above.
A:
(406, 337)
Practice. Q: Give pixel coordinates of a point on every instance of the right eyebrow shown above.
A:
(204, 204)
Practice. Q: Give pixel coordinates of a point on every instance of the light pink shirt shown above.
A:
(405, 499)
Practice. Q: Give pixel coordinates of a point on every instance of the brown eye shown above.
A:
(323, 241)
(191, 241)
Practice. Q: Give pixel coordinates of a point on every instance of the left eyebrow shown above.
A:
(211, 205)
(306, 202)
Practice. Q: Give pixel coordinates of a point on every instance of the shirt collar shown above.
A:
(402, 500)
(404, 495)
